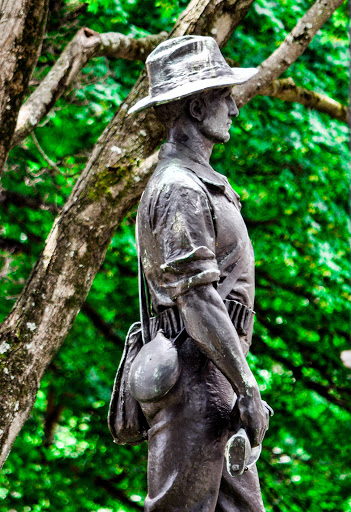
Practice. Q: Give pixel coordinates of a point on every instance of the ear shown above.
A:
(197, 109)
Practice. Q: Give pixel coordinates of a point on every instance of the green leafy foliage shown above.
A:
(290, 166)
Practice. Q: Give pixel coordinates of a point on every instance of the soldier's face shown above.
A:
(218, 116)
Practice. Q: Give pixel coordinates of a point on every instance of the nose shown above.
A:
(233, 109)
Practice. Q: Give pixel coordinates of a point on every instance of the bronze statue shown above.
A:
(191, 377)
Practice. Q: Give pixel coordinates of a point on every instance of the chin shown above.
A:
(216, 136)
(221, 138)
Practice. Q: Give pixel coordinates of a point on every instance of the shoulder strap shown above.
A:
(226, 286)
(144, 304)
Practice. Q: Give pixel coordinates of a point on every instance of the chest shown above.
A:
(232, 238)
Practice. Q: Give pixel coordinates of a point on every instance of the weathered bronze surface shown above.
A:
(191, 237)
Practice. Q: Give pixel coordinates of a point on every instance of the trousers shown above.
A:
(189, 428)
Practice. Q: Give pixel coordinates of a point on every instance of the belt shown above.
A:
(171, 322)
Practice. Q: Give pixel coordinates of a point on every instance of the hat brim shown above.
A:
(240, 75)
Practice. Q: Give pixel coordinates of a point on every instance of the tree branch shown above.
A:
(287, 90)
(100, 324)
(85, 45)
(260, 347)
(88, 43)
(289, 334)
(13, 246)
(287, 53)
(110, 185)
(52, 417)
(118, 494)
(8, 197)
(22, 30)
(108, 484)
(118, 46)
(47, 159)
(291, 338)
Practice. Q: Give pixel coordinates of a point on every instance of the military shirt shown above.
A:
(190, 230)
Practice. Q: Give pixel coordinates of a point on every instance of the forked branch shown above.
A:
(85, 45)
(291, 48)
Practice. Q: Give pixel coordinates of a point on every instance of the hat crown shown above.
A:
(184, 60)
(186, 65)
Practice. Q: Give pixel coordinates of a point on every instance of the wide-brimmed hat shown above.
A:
(185, 65)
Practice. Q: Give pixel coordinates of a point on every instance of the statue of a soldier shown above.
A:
(198, 264)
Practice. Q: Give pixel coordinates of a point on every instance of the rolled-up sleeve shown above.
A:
(184, 230)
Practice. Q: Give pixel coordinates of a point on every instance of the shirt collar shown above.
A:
(198, 164)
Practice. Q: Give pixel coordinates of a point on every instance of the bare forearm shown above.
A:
(207, 322)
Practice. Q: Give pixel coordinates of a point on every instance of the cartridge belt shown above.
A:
(171, 322)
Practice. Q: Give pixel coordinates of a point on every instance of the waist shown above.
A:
(171, 322)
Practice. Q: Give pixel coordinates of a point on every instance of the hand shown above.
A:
(254, 415)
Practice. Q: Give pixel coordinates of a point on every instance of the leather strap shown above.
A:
(225, 287)
(144, 303)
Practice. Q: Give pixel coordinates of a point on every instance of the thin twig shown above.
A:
(44, 155)
(49, 161)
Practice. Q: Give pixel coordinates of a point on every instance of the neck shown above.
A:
(190, 136)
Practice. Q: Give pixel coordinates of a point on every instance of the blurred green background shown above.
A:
(290, 166)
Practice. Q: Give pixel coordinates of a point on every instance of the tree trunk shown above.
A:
(22, 30)
(113, 179)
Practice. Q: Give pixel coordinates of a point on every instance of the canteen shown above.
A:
(155, 370)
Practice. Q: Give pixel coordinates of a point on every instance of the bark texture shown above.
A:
(290, 49)
(287, 90)
(85, 45)
(111, 183)
(22, 29)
